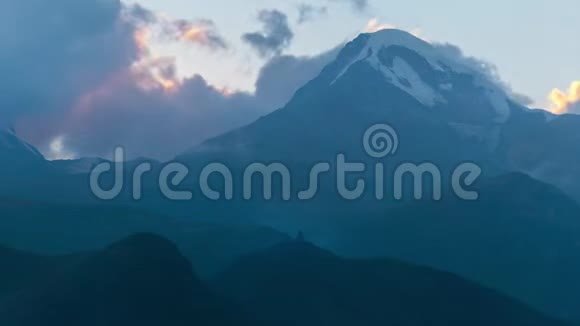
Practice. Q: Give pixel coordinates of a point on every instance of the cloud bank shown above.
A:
(487, 69)
(83, 79)
(53, 51)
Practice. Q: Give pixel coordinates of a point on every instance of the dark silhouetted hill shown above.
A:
(300, 284)
(142, 280)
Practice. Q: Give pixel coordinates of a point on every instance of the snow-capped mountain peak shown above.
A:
(393, 37)
(423, 70)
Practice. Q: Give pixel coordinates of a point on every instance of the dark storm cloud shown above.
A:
(275, 36)
(486, 69)
(54, 50)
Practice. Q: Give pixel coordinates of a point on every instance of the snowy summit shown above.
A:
(421, 69)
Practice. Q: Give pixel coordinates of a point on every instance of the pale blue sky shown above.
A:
(533, 43)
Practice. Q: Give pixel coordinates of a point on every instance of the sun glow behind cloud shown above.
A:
(157, 39)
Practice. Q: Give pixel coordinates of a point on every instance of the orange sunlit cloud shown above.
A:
(195, 34)
(151, 72)
(156, 74)
(562, 102)
(202, 32)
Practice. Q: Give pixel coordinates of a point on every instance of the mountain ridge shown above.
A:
(297, 283)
